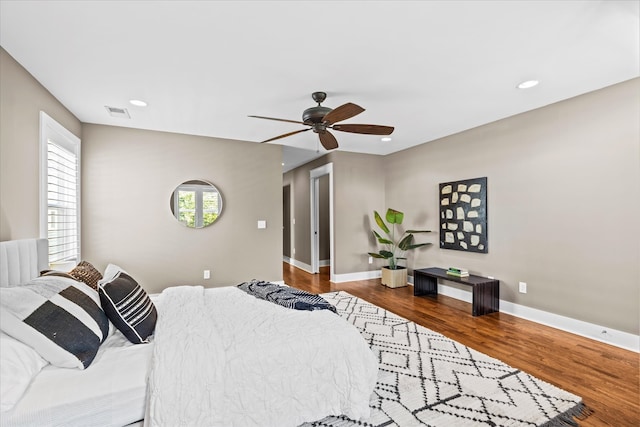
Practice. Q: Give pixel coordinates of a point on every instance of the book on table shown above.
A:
(458, 272)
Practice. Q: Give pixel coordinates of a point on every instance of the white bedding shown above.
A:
(110, 392)
(248, 362)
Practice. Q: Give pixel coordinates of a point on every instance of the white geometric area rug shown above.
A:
(428, 379)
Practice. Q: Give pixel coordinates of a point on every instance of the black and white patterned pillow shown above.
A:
(128, 306)
(58, 317)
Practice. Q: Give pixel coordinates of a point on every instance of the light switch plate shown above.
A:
(262, 224)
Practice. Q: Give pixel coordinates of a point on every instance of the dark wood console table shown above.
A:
(486, 292)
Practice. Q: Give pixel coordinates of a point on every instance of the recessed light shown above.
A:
(282, 163)
(528, 84)
(385, 139)
(137, 103)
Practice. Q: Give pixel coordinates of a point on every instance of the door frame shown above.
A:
(314, 191)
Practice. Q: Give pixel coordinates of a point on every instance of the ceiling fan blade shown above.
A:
(368, 129)
(343, 112)
(285, 135)
(327, 140)
(280, 120)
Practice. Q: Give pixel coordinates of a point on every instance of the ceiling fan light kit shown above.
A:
(320, 119)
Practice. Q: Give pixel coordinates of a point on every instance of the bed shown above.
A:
(216, 357)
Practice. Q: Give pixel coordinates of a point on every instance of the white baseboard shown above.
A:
(296, 263)
(363, 275)
(302, 265)
(578, 327)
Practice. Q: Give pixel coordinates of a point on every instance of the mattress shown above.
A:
(110, 392)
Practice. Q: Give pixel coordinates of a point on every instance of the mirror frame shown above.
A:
(199, 187)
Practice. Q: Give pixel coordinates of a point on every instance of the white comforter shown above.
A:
(225, 358)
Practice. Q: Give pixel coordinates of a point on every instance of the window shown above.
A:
(59, 192)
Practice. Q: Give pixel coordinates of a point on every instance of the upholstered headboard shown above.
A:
(22, 260)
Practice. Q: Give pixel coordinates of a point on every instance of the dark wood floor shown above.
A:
(606, 377)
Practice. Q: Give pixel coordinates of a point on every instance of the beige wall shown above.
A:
(358, 190)
(563, 203)
(21, 100)
(128, 177)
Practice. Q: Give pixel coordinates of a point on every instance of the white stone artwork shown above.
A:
(463, 215)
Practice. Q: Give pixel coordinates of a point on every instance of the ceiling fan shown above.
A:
(320, 119)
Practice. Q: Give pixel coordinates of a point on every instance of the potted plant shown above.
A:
(394, 275)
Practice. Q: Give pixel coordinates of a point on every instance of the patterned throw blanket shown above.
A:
(286, 296)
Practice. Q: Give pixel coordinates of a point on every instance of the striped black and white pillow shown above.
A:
(128, 306)
(58, 317)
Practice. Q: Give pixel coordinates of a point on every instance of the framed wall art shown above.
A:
(463, 215)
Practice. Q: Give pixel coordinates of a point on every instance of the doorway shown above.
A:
(321, 217)
(286, 223)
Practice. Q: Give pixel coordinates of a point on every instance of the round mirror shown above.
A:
(196, 204)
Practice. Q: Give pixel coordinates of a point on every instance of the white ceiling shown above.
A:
(429, 68)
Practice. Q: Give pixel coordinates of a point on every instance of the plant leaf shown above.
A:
(417, 245)
(406, 242)
(376, 255)
(386, 254)
(394, 216)
(380, 222)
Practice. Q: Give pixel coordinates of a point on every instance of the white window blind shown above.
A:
(59, 192)
(62, 204)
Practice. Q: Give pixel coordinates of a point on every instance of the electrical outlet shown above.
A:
(522, 287)
(207, 274)
(370, 260)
